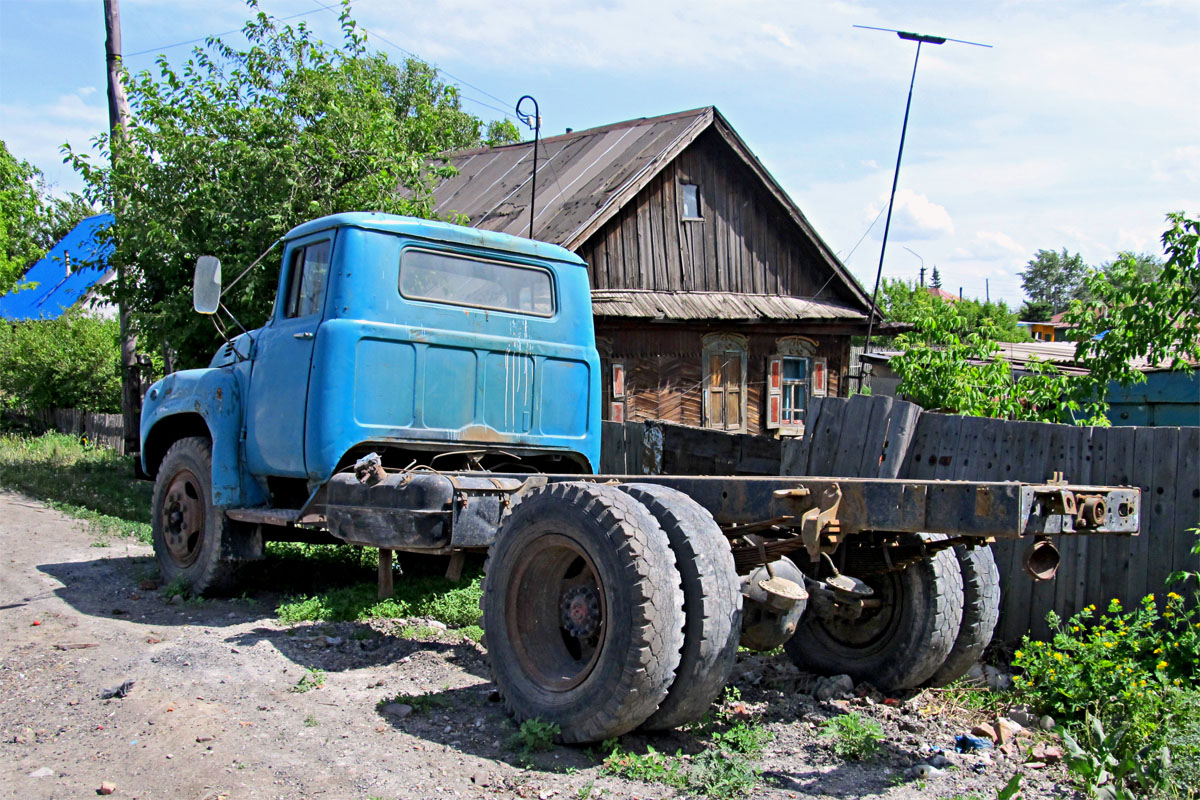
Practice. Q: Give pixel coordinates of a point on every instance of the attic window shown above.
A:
(691, 200)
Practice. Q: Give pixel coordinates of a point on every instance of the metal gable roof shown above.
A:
(580, 175)
(585, 177)
(64, 275)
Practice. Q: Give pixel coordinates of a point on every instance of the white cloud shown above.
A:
(914, 216)
(993, 246)
(36, 133)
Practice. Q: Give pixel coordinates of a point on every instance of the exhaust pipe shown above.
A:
(1041, 559)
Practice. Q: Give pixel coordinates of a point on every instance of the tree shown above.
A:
(1147, 267)
(906, 302)
(232, 149)
(936, 280)
(1053, 278)
(1040, 311)
(1128, 317)
(31, 219)
(951, 363)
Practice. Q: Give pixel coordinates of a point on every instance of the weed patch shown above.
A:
(311, 679)
(853, 736)
(1123, 684)
(535, 736)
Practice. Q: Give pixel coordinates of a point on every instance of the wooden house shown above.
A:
(716, 303)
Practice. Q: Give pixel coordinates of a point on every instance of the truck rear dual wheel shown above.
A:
(712, 603)
(188, 531)
(981, 610)
(583, 610)
(898, 644)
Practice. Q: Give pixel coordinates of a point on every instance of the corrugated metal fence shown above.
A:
(882, 437)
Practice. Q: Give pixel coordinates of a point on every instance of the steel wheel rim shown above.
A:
(556, 585)
(183, 518)
(877, 624)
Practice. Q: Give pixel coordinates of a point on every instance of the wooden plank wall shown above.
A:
(657, 448)
(1163, 462)
(743, 242)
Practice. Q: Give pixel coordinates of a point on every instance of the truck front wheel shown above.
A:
(187, 528)
(582, 609)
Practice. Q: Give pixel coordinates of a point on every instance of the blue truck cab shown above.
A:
(406, 337)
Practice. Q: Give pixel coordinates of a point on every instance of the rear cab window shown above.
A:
(461, 280)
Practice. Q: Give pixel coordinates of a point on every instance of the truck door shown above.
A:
(278, 395)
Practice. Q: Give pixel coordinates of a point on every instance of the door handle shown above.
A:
(303, 335)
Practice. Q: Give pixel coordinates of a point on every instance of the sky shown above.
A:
(1079, 128)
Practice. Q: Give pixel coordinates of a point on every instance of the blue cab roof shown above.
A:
(437, 231)
(64, 275)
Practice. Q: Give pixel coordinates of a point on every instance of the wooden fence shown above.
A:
(104, 430)
(664, 448)
(883, 437)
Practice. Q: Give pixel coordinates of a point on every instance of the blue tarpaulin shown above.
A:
(64, 275)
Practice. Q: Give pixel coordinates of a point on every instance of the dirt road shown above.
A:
(214, 711)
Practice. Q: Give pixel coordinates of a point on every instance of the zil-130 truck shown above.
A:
(431, 388)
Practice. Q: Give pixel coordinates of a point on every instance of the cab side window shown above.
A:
(306, 281)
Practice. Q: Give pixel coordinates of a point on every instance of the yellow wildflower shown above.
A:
(1018, 654)
(1109, 644)
(1161, 665)
(1177, 681)
(1174, 596)
(1058, 656)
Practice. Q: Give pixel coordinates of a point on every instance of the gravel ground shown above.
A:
(213, 712)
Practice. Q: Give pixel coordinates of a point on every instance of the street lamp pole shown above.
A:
(920, 39)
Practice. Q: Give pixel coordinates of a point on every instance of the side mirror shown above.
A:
(206, 286)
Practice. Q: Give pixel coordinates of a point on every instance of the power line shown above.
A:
(333, 9)
(226, 33)
(453, 78)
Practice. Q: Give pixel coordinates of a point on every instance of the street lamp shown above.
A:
(920, 39)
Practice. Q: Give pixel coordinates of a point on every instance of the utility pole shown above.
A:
(922, 276)
(987, 291)
(118, 125)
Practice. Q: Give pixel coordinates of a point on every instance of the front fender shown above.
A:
(170, 411)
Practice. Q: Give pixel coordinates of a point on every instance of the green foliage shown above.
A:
(31, 218)
(455, 604)
(1129, 318)
(1100, 764)
(853, 736)
(77, 478)
(743, 737)
(1124, 684)
(536, 736)
(902, 301)
(70, 362)
(1053, 278)
(951, 363)
(311, 721)
(935, 280)
(229, 150)
(1036, 311)
(312, 678)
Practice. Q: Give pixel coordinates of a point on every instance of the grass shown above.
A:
(456, 605)
(70, 475)
(724, 770)
(535, 736)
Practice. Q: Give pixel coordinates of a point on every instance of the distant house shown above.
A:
(71, 272)
(716, 303)
(942, 294)
(1052, 330)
